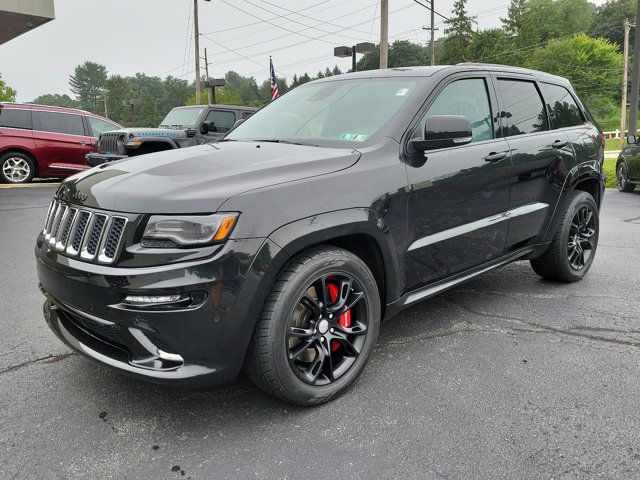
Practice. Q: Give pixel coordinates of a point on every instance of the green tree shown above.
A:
(608, 20)
(402, 53)
(489, 46)
(593, 65)
(459, 31)
(7, 94)
(88, 83)
(531, 22)
(57, 100)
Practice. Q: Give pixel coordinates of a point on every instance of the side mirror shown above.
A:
(442, 131)
(207, 127)
(631, 139)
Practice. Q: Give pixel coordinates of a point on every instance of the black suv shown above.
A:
(182, 127)
(283, 246)
(628, 165)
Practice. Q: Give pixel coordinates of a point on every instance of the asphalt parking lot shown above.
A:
(505, 377)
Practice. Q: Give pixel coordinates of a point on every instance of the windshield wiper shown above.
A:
(278, 140)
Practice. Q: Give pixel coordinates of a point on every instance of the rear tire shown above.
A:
(16, 167)
(302, 351)
(622, 179)
(573, 247)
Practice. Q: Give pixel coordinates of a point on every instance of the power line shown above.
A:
(275, 25)
(429, 8)
(273, 18)
(261, 42)
(325, 22)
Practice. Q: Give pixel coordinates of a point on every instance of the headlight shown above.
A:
(166, 231)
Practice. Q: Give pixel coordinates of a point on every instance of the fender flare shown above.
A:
(304, 233)
(579, 173)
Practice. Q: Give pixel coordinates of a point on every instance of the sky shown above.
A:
(155, 37)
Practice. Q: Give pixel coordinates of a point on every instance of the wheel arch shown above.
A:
(360, 231)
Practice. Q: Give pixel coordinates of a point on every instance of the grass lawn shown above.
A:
(612, 144)
(610, 172)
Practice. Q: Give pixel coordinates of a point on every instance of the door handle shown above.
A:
(559, 144)
(496, 156)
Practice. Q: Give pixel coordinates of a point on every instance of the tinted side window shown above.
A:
(563, 110)
(522, 110)
(468, 98)
(223, 121)
(59, 123)
(15, 118)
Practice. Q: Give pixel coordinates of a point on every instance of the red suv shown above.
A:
(41, 141)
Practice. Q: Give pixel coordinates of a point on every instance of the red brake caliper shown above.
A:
(345, 318)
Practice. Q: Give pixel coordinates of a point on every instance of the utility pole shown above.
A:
(196, 30)
(384, 33)
(433, 34)
(106, 112)
(206, 69)
(625, 75)
(635, 78)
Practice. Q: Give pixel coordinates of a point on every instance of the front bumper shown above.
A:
(199, 344)
(94, 159)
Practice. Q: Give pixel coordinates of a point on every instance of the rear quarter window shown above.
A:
(563, 109)
(15, 118)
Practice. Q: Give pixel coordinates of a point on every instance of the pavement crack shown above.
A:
(47, 359)
(572, 332)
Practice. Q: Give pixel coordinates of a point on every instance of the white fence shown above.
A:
(615, 134)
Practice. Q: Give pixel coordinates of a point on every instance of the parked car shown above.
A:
(283, 246)
(182, 127)
(628, 165)
(42, 141)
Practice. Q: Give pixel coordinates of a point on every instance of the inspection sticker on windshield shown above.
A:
(402, 92)
(353, 137)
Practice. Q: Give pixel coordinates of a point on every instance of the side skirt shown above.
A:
(430, 290)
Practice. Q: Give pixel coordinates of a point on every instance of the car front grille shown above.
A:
(77, 232)
(112, 143)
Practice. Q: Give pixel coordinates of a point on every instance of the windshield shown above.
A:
(182, 117)
(332, 113)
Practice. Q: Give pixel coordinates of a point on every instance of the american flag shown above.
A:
(274, 82)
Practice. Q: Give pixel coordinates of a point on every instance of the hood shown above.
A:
(199, 179)
(152, 132)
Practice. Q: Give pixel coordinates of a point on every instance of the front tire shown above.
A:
(622, 179)
(318, 328)
(16, 167)
(573, 248)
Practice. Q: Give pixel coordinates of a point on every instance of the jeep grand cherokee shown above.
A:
(282, 247)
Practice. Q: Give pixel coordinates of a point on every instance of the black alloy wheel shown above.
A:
(580, 246)
(327, 329)
(318, 327)
(622, 179)
(570, 254)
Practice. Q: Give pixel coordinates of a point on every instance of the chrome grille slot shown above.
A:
(50, 220)
(65, 227)
(47, 222)
(56, 224)
(76, 231)
(94, 234)
(112, 238)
